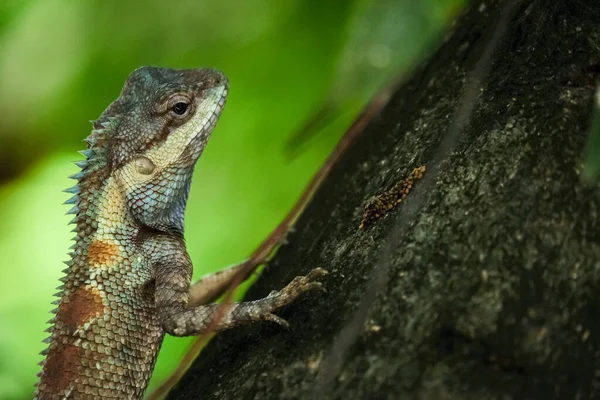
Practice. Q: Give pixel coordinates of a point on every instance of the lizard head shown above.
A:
(162, 122)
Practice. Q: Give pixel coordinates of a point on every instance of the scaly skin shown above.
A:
(128, 280)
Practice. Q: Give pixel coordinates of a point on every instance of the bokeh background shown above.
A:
(62, 62)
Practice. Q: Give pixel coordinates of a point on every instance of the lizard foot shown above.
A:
(295, 288)
(301, 284)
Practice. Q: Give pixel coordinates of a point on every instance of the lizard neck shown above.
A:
(101, 219)
(92, 181)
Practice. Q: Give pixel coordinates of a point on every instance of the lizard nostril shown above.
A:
(218, 79)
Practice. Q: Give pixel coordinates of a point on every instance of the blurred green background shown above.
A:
(62, 62)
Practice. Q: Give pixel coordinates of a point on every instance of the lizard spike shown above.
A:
(90, 141)
(81, 164)
(68, 262)
(72, 200)
(76, 176)
(42, 363)
(50, 328)
(96, 133)
(63, 279)
(73, 210)
(72, 190)
(55, 302)
(61, 287)
(73, 221)
(110, 122)
(86, 153)
(47, 340)
(54, 311)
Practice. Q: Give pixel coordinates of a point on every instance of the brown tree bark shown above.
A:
(485, 282)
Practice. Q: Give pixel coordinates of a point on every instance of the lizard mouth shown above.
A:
(209, 110)
(217, 97)
(221, 94)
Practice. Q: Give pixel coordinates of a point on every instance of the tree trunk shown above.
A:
(484, 282)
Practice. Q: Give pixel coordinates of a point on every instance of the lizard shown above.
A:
(128, 280)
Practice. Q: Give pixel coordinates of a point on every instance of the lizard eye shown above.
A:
(180, 108)
(144, 166)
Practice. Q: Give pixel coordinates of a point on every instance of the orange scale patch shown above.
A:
(82, 306)
(102, 254)
(61, 367)
(64, 363)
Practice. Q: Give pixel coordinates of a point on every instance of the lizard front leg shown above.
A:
(211, 286)
(178, 318)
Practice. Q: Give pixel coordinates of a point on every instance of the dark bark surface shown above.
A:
(485, 283)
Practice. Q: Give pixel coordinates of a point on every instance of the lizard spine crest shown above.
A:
(82, 201)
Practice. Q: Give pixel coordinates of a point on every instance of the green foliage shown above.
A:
(62, 62)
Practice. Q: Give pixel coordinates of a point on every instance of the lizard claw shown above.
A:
(317, 273)
(277, 319)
